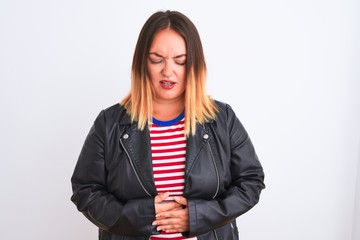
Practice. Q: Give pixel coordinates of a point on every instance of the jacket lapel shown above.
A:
(138, 145)
(194, 145)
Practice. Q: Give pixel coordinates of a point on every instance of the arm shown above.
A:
(91, 195)
(246, 181)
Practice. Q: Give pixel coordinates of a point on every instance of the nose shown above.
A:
(167, 70)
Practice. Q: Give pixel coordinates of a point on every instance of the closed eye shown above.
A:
(182, 63)
(155, 61)
(155, 58)
(180, 59)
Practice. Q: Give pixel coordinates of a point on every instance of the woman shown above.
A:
(168, 161)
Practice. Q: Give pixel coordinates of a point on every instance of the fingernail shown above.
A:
(154, 223)
(158, 228)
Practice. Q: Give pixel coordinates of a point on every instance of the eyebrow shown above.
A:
(159, 55)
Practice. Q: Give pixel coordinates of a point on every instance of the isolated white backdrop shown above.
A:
(290, 69)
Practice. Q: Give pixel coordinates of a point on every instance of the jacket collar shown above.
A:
(125, 119)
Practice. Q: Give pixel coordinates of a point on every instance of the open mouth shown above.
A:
(167, 84)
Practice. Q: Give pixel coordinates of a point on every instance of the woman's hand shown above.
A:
(173, 217)
(162, 206)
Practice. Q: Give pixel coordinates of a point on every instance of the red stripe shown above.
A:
(157, 131)
(166, 164)
(166, 137)
(170, 185)
(169, 171)
(168, 178)
(169, 157)
(169, 150)
(168, 143)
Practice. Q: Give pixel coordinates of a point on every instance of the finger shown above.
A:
(167, 206)
(181, 200)
(172, 228)
(172, 225)
(169, 215)
(161, 197)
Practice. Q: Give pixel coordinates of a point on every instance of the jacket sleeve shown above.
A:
(247, 181)
(91, 195)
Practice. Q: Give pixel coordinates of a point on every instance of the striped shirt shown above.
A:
(168, 148)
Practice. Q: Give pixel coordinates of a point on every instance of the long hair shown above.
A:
(199, 107)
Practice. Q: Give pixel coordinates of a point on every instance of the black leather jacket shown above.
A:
(113, 184)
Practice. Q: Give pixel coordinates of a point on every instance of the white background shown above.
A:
(290, 69)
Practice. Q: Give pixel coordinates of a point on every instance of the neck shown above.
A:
(167, 110)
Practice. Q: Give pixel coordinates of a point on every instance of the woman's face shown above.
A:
(166, 65)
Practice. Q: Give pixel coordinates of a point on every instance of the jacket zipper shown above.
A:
(216, 237)
(217, 172)
(133, 167)
(218, 181)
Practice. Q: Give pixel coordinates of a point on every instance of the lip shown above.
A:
(167, 84)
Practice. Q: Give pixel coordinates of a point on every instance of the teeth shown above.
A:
(167, 83)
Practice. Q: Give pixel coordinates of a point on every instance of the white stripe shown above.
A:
(166, 134)
(162, 175)
(169, 182)
(173, 235)
(169, 140)
(167, 236)
(179, 193)
(168, 153)
(172, 160)
(169, 167)
(170, 188)
(151, 127)
(169, 199)
(182, 145)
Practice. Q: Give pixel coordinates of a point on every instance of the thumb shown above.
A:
(161, 197)
(181, 200)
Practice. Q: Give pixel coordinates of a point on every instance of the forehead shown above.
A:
(168, 42)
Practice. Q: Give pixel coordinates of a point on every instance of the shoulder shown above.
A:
(224, 110)
(226, 116)
(114, 114)
(227, 121)
(114, 109)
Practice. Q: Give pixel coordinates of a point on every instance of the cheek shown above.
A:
(181, 72)
(151, 72)
(183, 75)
